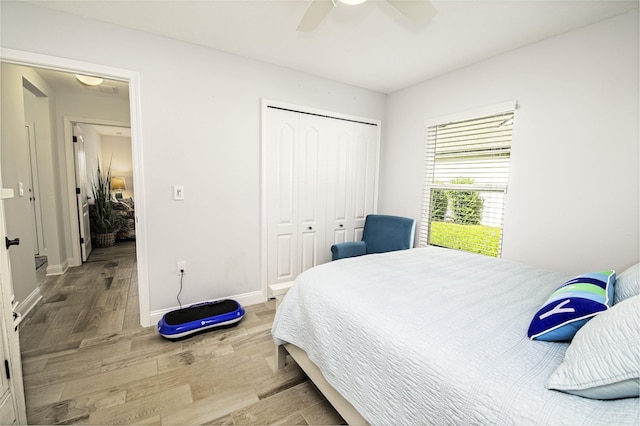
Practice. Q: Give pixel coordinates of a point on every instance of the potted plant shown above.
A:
(101, 214)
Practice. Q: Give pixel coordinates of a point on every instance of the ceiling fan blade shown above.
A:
(316, 12)
(419, 11)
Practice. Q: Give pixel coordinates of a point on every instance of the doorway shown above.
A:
(131, 78)
(97, 142)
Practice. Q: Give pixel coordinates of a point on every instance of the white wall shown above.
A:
(93, 153)
(200, 124)
(79, 106)
(16, 109)
(118, 149)
(573, 200)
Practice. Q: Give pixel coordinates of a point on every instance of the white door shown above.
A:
(82, 199)
(296, 193)
(352, 162)
(34, 189)
(364, 178)
(339, 194)
(311, 158)
(281, 195)
(313, 182)
(12, 405)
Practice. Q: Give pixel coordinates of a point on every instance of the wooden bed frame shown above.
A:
(342, 406)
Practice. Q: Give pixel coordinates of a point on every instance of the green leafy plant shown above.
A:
(466, 206)
(101, 214)
(439, 204)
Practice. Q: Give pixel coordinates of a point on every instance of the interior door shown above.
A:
(364, 163)
(351, 179)
(82, 198)
(12, 405)
(281, 195)
(339, 194)
(311, 158)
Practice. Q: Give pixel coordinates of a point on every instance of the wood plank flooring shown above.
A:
(86, 360)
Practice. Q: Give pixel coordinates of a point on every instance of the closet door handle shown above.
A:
(310, 228)
(341, 225)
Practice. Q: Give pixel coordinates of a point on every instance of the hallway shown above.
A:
(99, 297)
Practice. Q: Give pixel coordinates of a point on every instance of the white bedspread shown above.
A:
(435, 336)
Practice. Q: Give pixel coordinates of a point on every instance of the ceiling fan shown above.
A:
(419, 11)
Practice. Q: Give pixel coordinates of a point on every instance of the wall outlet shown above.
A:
(181, 266)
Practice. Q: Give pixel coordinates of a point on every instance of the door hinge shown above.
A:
(81, 240)
(75, 139)
(6, 369)
(78, 191)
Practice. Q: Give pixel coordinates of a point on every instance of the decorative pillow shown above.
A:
(628, 283)
(572, 305)
(603, 360)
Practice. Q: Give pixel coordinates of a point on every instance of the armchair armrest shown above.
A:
(350, 249)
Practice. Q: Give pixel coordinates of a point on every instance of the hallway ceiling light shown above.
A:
(89, 80)
(352, 2)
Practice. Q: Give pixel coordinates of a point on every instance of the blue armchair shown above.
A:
(381, 233)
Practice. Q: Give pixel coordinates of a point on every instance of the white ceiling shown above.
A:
(64, 82)
(121, 132)
(370, 45)
(67, 82)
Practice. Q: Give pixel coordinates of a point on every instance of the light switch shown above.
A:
(21, 189)
(178, 192)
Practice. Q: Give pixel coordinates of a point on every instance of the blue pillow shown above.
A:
(572, 305)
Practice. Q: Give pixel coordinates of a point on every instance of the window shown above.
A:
(467, 171)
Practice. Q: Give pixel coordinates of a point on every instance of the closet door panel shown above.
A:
(309, 178)
(364, 175)
(312, 191)
(359, 182)
(285, 260)
(339, 236)
(309, 250)
(339, 175)
(282, 191)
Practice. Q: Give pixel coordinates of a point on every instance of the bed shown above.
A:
(126, 218)
(432, 336)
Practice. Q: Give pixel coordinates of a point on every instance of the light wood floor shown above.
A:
(87, 361)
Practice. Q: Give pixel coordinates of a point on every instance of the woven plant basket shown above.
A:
(105, 240)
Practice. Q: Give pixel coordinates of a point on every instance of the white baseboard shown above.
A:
(245, 299)
(25, 306)
(57, 269)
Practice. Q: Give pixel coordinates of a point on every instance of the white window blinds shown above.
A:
(467, 171)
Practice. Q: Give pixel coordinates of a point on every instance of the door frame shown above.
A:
(35, 187)
(31, 59)
(68, 122)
